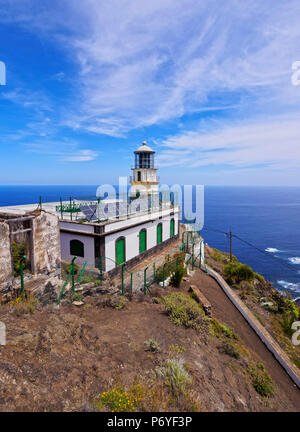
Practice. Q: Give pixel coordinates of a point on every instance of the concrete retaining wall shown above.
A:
(262, 333)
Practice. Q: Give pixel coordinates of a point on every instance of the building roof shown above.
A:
(144, 149)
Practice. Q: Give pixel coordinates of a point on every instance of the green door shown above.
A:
(120, 251)
(172, 228)
(159, 233)
(142, 241)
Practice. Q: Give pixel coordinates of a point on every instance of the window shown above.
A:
(159, 233)
(172, 228)
(139, 176)
(76, 248)
(143, 240)
(120, 251)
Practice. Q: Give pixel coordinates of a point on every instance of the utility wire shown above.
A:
(255, 247)
(265, 253)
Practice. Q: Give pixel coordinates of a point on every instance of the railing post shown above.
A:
(145, 280)
(193, 257)
(82, 272)
(123, 268)
(154, 272)
(73, 275)
(22, 274)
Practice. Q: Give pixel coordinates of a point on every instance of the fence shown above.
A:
(115, 206)
(189, 256)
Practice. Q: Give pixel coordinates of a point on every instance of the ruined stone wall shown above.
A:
(46, 244)
(5, 258)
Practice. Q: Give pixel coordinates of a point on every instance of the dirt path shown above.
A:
(225, 311)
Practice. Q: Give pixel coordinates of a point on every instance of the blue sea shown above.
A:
(266, 217)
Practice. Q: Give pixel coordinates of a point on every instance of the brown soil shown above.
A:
(58, 360)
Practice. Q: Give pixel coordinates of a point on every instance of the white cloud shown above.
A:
(63, 150)
(81, 156)
(142, 63)
(272, 143)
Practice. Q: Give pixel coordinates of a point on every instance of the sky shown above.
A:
(210, 85)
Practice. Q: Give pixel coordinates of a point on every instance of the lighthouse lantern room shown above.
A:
(144, 179)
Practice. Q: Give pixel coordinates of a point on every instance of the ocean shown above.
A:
(266, 217)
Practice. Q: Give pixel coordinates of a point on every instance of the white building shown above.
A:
(115, 230)
(125, 229)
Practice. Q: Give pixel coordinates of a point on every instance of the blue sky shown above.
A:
(208, 84)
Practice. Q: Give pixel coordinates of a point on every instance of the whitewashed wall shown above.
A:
(132, 239)
(89, 248)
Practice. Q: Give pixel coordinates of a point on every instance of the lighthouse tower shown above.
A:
(144, 179)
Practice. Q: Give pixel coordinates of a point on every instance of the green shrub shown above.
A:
(229, 349)
(285, 304)
(259, 277)
(261, 380)
(238, 272)
(18, 251)
(183, 310)
(175, 376)
(120, 400)
(177, 277)
(296, 362)
(89, 279)
(152, 345)
(77, 296)
(286, 324)
(76, 268)
(115, 301)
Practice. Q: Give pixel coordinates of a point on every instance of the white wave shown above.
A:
(272, 250)
(294, 260)
(289, 285)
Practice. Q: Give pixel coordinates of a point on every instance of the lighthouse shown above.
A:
(144, 179)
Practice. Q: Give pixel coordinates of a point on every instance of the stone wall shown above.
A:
(5, 258)
(46, 244)
(45, 255)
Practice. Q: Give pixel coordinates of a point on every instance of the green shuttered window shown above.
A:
(120, 251)
(159, 233)
(142, 240)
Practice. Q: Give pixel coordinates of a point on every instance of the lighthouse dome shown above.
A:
(144, 148)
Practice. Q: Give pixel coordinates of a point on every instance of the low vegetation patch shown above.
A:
(230, 349)
(223, 330)
(261, 381)
(237, 272)
(175, 376)
(152, 345)
(76, 296)
(89, 279)
(221, 257)
(183, 310)
(115, 301)
(118, 399)
(177, 349)
(23, 305)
